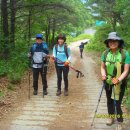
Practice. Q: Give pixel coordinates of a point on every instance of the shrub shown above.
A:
(97, 41)
(11, 87)
(3, 68)
(80, 37)
(2, 94)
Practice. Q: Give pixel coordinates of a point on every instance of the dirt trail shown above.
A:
(74, 112)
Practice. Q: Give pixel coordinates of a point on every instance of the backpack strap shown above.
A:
(65, 49)
(56, 47)
(105, 54)
(123, 54)
(34, 47)
(122, 51)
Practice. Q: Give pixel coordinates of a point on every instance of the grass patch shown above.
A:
(79, 37)
(127, 99)
(94, 47)
(2, 94)
(11, 87)
(3, 68)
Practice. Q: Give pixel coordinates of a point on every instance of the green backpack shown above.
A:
(123, 53)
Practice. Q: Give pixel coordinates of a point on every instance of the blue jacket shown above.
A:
(61, 55)
(81, 46)
(38, 52)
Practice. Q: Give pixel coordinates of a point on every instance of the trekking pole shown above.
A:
(115, 104)
(29, 73)
(97, 104)
(79, 73)
(43, 71)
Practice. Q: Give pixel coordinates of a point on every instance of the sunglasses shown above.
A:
(113, 41)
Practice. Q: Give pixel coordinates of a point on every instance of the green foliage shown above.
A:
(1, 94)
(124, 32)
(127, 100)
(11, 87)
(128, 80)
(79, 37)
(3, 68)
(15, 77)
(16, 65)
(94, 47)
(97, 41)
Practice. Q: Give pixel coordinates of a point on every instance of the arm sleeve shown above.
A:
(69, 54)
(46, 48)
(127, 60)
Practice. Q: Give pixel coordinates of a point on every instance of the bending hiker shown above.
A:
(62, 53)
(114, 69)
(81, 48)
(39, 54)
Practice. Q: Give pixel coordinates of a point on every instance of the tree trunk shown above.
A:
(29, 27)
(47, 36)
(12, 25)
(4, 14)
(53, 32)
(48, 32)
(114, 24)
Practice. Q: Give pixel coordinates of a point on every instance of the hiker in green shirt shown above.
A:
(114, 69)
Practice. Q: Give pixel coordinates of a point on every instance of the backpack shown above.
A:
(122, 51)
(44, 49)
(65, 49)
(35, 45)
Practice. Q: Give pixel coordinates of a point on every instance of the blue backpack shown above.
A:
(44, 44)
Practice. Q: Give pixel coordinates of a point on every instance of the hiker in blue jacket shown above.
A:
(81, 48)
(61, 55)
(39, 54)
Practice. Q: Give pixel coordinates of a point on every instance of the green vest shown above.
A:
(114, 64)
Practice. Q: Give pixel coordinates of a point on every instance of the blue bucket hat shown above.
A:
(114, 36)
(39, 36)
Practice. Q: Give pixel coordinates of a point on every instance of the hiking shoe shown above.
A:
(66, 93)
(58, 93)
(110, 121)
(45, 92)
(119, 127)
(35, 92)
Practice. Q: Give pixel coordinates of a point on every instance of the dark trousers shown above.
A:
(43, 72)
(59, 70)
(110, 102)
(81, 53)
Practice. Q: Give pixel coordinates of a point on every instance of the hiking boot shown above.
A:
(35, 92)
(66, 93)
(110, 121)
(45, 92)
(58, 93)
(119, 126)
